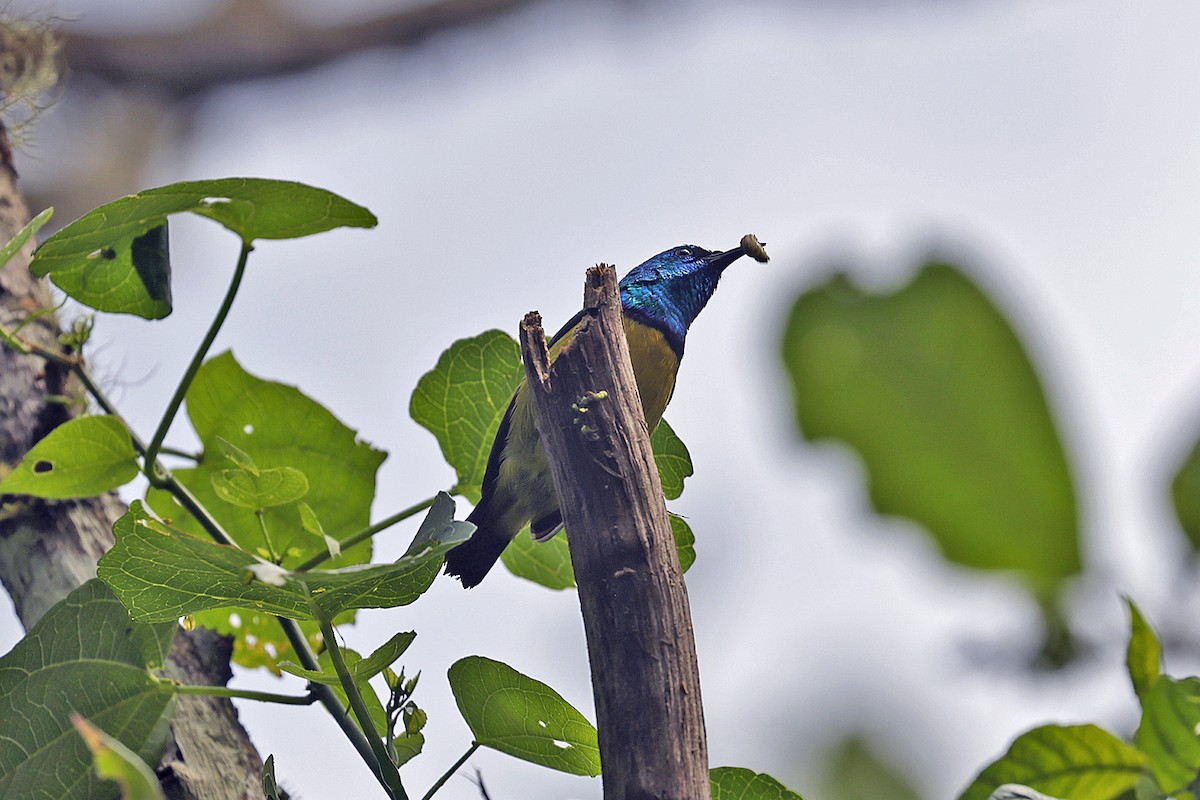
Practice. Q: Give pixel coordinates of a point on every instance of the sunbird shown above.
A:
(660, 299)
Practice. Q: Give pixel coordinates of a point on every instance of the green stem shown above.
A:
(331, 701)
(391, 775)
(262, 524)
(247, 694)
(366, 533)
(442, 780)
(198, 359)
(159, 476)
(171, 451)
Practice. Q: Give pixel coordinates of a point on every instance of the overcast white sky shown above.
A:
(1054, 146)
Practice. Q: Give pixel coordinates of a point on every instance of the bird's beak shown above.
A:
(723, 260)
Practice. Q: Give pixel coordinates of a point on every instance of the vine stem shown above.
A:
(180, 391)
(160, 477)
(247, 694)
(366, 533)
(453, 769)
(388, 769)
(331, 701)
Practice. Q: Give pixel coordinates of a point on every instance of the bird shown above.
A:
(660, 299)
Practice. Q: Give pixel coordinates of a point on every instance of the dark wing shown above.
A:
(571, 323)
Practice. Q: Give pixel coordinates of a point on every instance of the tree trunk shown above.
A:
(635, 609)
(48, 548)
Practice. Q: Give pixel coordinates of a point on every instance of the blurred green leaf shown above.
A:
(517, 715)
(1143, 657)
(15, 244)
(1185, 491)
(84, 656)
(1167, 733)
(853, 771)
(462, 400)
(1078, 762)
(273, 425)
(116, 762)
(83, 457)
(739, 783)
(163, 574)
(931, 386)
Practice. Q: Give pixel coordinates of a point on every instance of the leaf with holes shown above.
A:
(738, 783)
(1062, 761)
(84, 656)
(163, 574)
(515, 714)
(83, 457)
(272, 425)
(115, 258)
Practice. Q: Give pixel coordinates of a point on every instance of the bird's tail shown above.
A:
(472, 559)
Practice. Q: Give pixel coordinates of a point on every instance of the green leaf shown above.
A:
(931, 386)
(515, 714)
(1144, 654)
(267, 488)
(549, 563)
(1078, 761)
(408, 745)
(1167, 732)
(363, 669)
(273, 425)
(310, 523)
(116, 762)
(163, 574)
(270, 787)
(375, 708)
(853, 770)
(545, 563)
(83, 457)
(84, 656)
(237, 455)
(738, 783)
(1185, 492)
(115, 257)
(439, 524)
(17, 242)
(685, 541)
(673, 459)
(462, 400)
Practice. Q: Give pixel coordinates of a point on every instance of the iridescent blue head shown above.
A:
(668, 291)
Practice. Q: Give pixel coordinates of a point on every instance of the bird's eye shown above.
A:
(685, 251)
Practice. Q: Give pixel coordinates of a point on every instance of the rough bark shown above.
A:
(48, 548)
(641, 647)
